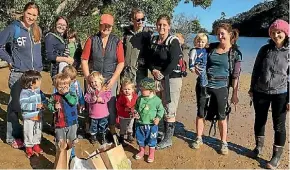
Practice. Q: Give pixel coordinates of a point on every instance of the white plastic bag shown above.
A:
(77, 163)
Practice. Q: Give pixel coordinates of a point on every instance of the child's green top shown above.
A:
(149, 108)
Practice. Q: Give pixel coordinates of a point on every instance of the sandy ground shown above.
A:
(240, 137)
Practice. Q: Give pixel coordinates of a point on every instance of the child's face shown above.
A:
(145, 92)
(278, 36)
(96, 83)
(37, 84)
(63, 88)
(128, 90)
(72, 39)
(201, 43)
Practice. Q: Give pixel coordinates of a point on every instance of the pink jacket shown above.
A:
(98, 110)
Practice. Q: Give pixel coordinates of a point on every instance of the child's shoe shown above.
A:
(93, 139)
(197, 143)
(130, 138)
(37, 149)
(17, 144)
(151, 155)
(122, 141)
(141, 153)
(29, 152)
(103, 138)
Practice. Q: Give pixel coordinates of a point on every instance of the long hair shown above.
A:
(35, 28)
(65, 34)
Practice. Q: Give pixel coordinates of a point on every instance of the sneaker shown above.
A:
(17, 144)
(37, 149)
(197, 143)
(29, 152)
(93, 139)
(224, 148)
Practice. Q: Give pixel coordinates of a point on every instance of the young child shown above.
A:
(198, 59)
(63, 104)
(32, 101)
(97, 98)
(149, 111)
(125, 108)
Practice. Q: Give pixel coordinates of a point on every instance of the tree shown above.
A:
(223, 15)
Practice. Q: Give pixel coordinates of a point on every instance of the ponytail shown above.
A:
(36, 33)
(234, 37)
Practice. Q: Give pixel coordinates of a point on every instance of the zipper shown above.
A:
(31, 49)
(272, 68)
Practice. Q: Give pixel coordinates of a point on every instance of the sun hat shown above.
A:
(147, 83)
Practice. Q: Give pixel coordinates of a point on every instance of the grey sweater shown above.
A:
(270, 72)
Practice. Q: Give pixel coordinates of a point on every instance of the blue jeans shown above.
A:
(98, 125)
(146, 135)
(14, 129)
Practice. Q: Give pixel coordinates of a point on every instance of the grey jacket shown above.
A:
(270, 72)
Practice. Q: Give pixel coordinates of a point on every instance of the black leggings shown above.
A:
(278, 103)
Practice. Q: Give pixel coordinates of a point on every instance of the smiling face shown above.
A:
(106, 29)
(278, 36)
(61, 26)
(30, 16)
(96, 83)
(138, 20)
(163, 27)
(223, 36)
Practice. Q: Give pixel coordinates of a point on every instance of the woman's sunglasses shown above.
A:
(141, 19)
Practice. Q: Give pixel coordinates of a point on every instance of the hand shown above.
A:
(57, 105)
(39, 106)
(234, 99)
(156, 121)
(197, 70)
(250, 94)
(110, 84)
(192, 70)
(100, 100)
(90, 89)
(69, 60)
(155, 73)
(136, 115)
(287, 107)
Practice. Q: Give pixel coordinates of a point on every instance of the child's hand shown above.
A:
(95, 98)
(156, 121)
(57, 105)
(100, 100)
(136, 115)
(39, 106)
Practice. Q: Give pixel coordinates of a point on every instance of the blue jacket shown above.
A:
(29, 100)
(54, 46)
(25, 54)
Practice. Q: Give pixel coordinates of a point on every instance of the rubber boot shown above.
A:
(274, 162)
(151, 155)
(141, 153)
(259, 146)
(167, 140)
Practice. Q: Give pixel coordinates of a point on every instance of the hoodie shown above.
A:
(25, 53)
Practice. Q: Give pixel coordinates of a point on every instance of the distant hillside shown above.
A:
(256, 21)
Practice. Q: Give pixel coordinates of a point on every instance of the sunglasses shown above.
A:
(141, 19)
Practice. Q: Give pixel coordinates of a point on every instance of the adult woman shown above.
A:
(21, 48)
(56, 45)
(269, 86)
(162, 63)
(107, 57)
(223, 71)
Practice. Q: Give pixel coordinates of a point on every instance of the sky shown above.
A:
(209, 15)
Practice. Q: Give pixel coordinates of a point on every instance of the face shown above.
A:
(30, 16)
(63, 88)
(163, 27)
(278, 36)
(223, 36)
(73, 39)
(61, 26)
(106, 29)
(201, 43)
(145, 92)
(139, 20)
(95, 83)
(128, 90)
(37, 84)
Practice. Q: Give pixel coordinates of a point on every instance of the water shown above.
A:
(249, 46)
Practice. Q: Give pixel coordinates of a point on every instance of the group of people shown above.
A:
(142, 102)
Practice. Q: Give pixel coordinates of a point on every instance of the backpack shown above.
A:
(182, 65)
(210, 108)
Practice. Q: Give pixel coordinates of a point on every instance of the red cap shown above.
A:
(107, 19)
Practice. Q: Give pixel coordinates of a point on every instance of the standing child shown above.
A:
(198, 59)
(125, 108)
(97, 98)
(149, 111)
(63, 104)
(32, 101)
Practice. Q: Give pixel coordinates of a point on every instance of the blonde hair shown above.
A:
(61, 79)
(127, 81)
(180, 38)
(70, 71)
(201, 36)
(97, 75)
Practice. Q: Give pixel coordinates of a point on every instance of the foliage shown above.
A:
(257, 20)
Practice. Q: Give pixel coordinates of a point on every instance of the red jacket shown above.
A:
(123, 102)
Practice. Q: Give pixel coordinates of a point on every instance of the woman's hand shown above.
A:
(234, 99)
(157, 74)
(69, 60)
(110, 84)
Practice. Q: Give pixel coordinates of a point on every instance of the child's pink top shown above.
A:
(98, 110)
